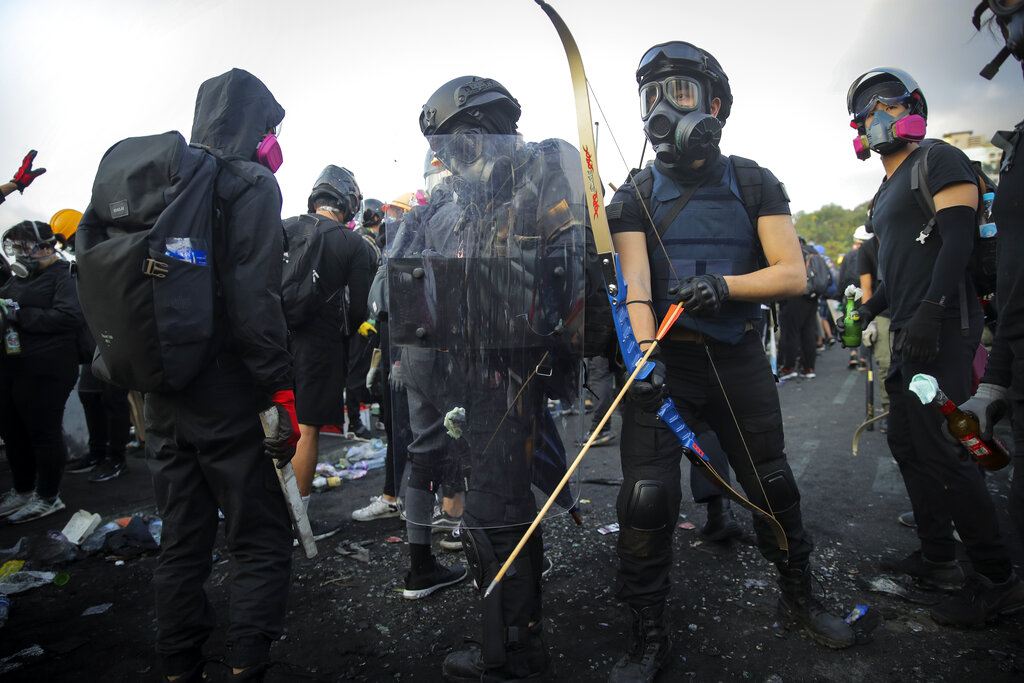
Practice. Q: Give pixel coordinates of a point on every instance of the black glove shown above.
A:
(649, 393)
(24, 176)
(701, 294)
(280, 444)
(918, 341)
(866, 316)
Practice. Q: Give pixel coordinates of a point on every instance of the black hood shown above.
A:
(233, 112)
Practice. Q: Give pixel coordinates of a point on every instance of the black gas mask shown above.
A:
(481, 163)
(24, 247)
(1011, 24)
(675, 123)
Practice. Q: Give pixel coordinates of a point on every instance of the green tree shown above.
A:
(831, 226)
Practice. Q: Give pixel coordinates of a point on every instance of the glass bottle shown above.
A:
(851, 319)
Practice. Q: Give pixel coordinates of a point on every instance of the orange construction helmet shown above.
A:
(65, 222)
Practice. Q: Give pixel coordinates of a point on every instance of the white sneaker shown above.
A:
(377, 509)
(36, 508)
(12, 501)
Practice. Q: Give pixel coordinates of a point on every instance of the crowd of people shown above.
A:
(467, 310)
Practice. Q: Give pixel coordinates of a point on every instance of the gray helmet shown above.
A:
(470, 99)
(677, 58)
(340, 185)
(885, 84)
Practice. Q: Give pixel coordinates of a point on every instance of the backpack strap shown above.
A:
(226, 164)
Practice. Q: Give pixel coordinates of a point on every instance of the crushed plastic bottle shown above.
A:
(5, 609)
(94, 541)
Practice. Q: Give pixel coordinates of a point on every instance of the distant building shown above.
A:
(977, 148)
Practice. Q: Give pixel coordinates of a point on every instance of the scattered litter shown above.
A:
(118, 563)
(13, 550)
(7, 663)
(21, 581)
(393, 539)
(608, 529)
(81, 524)
(11, 567)
(689, 526)
(61, 579)
(97, 609)
(354, 550)
(856, 613)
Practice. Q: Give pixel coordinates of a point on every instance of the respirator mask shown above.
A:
(268, 152)
(481, 163)
(886, 134)
(679, 131)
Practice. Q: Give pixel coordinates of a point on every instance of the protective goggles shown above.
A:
(464, 147)
(15, 248)
(890, 93)
(680, 92)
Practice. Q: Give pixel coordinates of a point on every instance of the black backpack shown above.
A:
(145, 262)
(985, 256)
(819, 275)
(300, 277)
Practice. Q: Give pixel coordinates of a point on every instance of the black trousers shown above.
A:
(944, 489)
(107, 417)
(651, 455)
(33, 391)
(798, 322)
(204, 448)
(1017, 485)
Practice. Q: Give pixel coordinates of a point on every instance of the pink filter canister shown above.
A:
(910, 128)
(269, 153)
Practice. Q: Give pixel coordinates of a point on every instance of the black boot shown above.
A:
(526, 660)
(721, 524)
(796, 604)
(649, 647)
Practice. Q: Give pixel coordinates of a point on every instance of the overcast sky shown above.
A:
(353, 75)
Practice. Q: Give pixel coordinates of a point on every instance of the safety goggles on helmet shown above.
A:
(680, 92)
(887, 93)
(673, 52)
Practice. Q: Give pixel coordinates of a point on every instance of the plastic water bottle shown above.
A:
(988, 228)
(5, 609)
(12, 339)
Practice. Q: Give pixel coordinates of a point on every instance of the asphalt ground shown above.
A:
(348, 621)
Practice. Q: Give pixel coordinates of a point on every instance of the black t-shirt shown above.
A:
(634, 219)
(1005, 364)
(867, 264)
(904, 263)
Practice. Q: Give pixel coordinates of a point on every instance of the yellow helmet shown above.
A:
(65, 222)
(402, 201)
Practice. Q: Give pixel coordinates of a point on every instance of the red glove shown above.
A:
(24, 176)
(281, 446)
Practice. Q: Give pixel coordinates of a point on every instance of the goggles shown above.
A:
(889, 93)
(680, 92)
(464, 147)
(15, 248)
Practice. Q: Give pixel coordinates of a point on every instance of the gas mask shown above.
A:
(23, 257)
(674, 123)
(480, 163)
(887, 134)
(1011, 24)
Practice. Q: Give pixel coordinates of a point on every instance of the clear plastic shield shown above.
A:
(485, 299)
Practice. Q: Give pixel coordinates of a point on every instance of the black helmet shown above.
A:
(678, 58)
(373, 212)
(470, 99)
(888, 85)
(338, 184)
(1010, 19)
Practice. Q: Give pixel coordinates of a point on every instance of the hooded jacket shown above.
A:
(233, 113)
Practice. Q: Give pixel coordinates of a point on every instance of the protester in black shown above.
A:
(936, 326)
(319, 344)
(798, 331)
(876, 333)
(1004, 375)
(205, 444)
(38, 369)
(711, 363)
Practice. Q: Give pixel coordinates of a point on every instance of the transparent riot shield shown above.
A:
(485, 300)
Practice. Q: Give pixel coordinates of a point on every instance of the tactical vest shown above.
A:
(712, 234)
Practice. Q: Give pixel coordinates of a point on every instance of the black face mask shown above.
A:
(681, 139)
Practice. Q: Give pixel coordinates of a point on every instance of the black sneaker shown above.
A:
(942, 575)
(421, 584)
(107, 470)
(442, 523)
(605, 437)
(980, 600)
(361, 433)
(81, 464)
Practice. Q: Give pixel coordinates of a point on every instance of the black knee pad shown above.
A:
(647, 506)
(780, 487)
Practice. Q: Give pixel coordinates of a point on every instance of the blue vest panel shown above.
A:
(712, 234)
